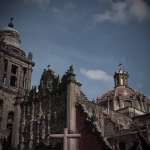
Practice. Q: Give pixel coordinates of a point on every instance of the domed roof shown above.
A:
(121, 89)
(10, 36)
(124, 91)
(8, 29)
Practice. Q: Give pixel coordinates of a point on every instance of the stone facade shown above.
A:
(15, 81)
(43, 112)
(53, 107)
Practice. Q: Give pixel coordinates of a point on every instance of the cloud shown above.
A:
(40, 3)
(96, 75)
(55, 10)
(67, 7)
(140, 10)
(124, 11)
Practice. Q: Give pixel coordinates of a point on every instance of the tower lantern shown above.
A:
(121, 76)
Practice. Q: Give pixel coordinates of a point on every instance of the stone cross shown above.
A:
(65, 137)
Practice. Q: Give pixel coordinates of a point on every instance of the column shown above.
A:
(8, 74)
(4, 114)
(23, 121)
(16, 124)
(20, 77)
(2, 68)
(29, 74)
(72, 93)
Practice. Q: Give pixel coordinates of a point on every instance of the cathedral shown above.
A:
(57, 115)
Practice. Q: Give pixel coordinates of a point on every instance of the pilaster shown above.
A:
(16, 124)
(2, 68)
(5, 113)
(73, 90)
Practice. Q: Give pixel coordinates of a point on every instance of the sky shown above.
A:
(93, 35)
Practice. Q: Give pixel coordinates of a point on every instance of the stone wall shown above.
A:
(90, 138)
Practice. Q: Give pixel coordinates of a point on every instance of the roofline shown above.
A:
(24, 59)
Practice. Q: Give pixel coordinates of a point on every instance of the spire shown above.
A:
(11, 25)
(121, 76)
(30, 56)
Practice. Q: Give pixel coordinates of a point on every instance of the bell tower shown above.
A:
(121, 76)
(15, 77)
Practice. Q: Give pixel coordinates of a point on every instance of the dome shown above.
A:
(121, 88)
(121, 91)
(8, 29)
(124, 92)
(10, 35)
(122, 97)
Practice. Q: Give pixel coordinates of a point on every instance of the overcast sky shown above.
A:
(93, 35)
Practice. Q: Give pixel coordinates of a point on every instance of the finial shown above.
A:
(30, 56)
(71, 69)
(120, 65)
(120, 68)
(11, 25)
(48, 67)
